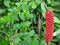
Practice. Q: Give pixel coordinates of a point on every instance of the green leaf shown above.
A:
(22, 17)
(27, 0)
(16, 40)
(7, 3)
(50, 8)
(53, 43)
(18, 3)
(25, 7)
(35, 21)
(34, 5)
(43, 6)
(2, 10)
(13, 10)
(4, 42)
(38, 1)
(43, 42)
(16, 26)
(35, 42)
(56, 32)
(25, 35)
(26, 41)
(25, 24)
(32, 33)
(2, 20)
(43, 10)
(55, 3)
(49, 1)
(56, 20)
(30, 16)
(57, 9)
(56, 39)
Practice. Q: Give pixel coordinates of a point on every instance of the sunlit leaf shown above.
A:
(7, 3)
(49, 1)
(43, 6)
(34, 5)
(56, 20)
(56, 32)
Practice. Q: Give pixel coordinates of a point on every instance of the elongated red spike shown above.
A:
(49, 26)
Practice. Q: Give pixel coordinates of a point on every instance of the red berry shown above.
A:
(49, 26)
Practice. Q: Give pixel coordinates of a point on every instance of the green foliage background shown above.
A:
(19, 21)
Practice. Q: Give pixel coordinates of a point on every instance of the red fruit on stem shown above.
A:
(49, 26)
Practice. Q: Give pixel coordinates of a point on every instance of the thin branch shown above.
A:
(39, 23)
(48, 43)
(14, 36)
(59, 43)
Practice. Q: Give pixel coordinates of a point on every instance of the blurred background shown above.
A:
(22, 22)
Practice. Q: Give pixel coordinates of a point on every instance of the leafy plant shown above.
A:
(19, 21)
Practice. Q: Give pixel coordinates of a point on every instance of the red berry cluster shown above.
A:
(49, 26)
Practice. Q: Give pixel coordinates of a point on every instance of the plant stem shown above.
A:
(48, 43)
(59, 43)
(39, 23)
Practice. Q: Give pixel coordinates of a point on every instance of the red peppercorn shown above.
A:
(49, 26)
